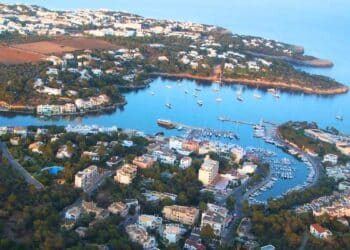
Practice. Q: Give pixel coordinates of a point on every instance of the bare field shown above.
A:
(46, 47)
(15, 56)
(36, 51)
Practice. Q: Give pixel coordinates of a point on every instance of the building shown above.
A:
(154, 196)
(237, 153)
(144, 161)
(91, 207)
(191, 146)
(331, 158)
(208, 171)
(175, 143)
(181, 214)
(185, 162)
(15, 141)
(320, 232)
(113, 161)
(73, 213)
(217, 218)
(118, 208)
(126, 174)
(194, 242)
(35, 147)
(91, 155)
(173, 232)
(150, 221)
(63, 152)
(138, 234)
(247, 168)
(86, 178)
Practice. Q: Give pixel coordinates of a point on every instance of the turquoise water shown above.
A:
(53, 170)
(320, 26)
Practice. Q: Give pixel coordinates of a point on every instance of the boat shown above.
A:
(200, 102)
(339, 117)
(216, 89)
(239, 98)
(218, 99)
(168, 105)
(195, 95)
(166, 123)
(152, 93)
(257, 96)
(197, 89)
(186, 91)
(276, 94)
(271, 90)
(168, 86)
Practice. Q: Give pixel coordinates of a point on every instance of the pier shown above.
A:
(226, 119)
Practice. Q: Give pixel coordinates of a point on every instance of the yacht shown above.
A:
(239, 98)
(152, 93)
(200, 102)
(168, 105)
(257, 96)
(219, 99)
(168, 86)
(186, 91)
(339, 117)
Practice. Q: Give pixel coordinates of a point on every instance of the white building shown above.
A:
(173, 232)
(73, 213)
(320, 232)
(185, 162)
(84, 179)
(126, 174)
(208, 171)
(331, 158)
(247, 168)
(217, 217)
(138, 234)
(150, 221)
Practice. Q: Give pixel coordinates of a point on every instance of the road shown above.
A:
(16, 166)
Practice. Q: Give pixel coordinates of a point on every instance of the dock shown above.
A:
(226, 119)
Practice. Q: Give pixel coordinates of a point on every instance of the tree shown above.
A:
(230, 202)
(207, 234)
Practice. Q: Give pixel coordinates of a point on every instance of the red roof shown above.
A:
(318, 228)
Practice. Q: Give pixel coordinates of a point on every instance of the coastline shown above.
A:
(258, 83)
(85, 112)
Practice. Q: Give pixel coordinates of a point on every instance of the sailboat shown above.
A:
(168, 105)
(186, 91)
(256, 95)
(200, 103)
(339, 117)
(152, 93)
(218, 99)
(239, 95)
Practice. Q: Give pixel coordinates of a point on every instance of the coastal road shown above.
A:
(15, 165)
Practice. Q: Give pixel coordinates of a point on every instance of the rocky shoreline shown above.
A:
(260, 83)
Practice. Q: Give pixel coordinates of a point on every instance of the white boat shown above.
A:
(168, 86)
(257, 96)
(168, 105)
(339, 117)
(216, 89)
(152, 93)
(271, 90)
(239, 98)
(218, 99)
(200, 102)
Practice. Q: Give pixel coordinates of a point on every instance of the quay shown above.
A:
(226, 119)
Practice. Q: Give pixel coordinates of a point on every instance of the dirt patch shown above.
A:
(86, 43)
(46, 47)
(16, 56)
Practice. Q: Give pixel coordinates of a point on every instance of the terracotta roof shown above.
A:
(318, 228)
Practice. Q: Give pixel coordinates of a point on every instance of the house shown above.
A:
(113, 161)
(91, 155)
(127, 143)
(175, 143)
(35, 147)
(167, 159)
(173, 232)
(21, 131)
(118, 208)
(150, 221)
(144, 161)
(91, 207)
(217, 218)
(86, 178)
(15, 141)
(73, 213)
(63, 152)
(191, 146)
(331, 158)
(320, 232)
(185, 162)
(194, 242)
(81, 231)
(247, 168)
(182, 214)
(208, 171)
(156, 196)
(139, 235)
(126, 174)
